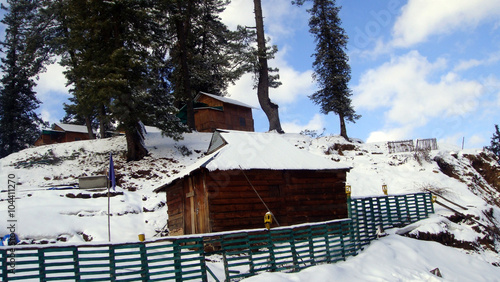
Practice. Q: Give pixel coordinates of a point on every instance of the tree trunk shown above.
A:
(103, 122)
(269, 108)
(135, 144)
(88, 123)
(183, 29)
(343, 130)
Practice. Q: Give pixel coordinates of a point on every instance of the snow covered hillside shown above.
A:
(51, 210)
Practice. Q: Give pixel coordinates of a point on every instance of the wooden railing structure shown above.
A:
(243, 253)
(407, 145)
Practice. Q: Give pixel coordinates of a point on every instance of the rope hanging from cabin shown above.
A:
(259, 196)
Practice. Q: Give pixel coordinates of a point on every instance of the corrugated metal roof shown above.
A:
(73, 127)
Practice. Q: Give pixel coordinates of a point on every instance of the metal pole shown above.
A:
(109, 208)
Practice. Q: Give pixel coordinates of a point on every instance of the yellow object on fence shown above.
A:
(268, 219)
(142, 237)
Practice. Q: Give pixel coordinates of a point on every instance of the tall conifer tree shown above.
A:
(112, 51)
(206, 55)
(22, 61)
(331, 63)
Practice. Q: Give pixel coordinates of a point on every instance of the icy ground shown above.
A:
(50, 210)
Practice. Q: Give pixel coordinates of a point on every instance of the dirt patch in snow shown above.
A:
(446, 168)
(482, 163)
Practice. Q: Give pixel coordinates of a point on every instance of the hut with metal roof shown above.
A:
(247, 174)
(61, 133)
(213, 112)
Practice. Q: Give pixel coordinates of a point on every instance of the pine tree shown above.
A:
(205, 53)
(495, 143)
(331, 68)
(115, 63)
(23, 60)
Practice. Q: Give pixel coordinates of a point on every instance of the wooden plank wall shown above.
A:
(175, 203)
(293, 197)
(232, 117)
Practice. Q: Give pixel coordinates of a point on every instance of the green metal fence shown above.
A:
(370, 213)
(243, 253)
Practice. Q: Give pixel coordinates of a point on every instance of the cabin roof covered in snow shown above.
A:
(227, 100)
(242, 150)
(73, 127)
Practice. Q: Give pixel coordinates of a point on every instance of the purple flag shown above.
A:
(112, 172)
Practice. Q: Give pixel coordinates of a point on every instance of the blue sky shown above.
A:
(420, 69)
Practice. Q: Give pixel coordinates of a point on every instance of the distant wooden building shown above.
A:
(213, 112)
(221, 191)
(61, 133)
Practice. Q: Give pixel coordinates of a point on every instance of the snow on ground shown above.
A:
(51, 210)
(396, 258)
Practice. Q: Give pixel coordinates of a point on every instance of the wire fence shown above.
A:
(243, 253)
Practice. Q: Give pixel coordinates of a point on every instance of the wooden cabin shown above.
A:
(61, 133)
(213, 112)
(223, 190)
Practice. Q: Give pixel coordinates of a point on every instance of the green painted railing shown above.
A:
(370, 213)
(243, 253)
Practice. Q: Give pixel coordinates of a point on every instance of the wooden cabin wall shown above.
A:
(293, 196)
(175, 204)
(211, 102)
(187, 206)
(208, 120)
(238, 118)
(232, 116)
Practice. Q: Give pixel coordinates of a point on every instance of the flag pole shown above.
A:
(111, 183)
(109, 221)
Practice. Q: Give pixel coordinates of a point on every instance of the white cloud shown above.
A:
(316, 123)
(279, 15)
(46, 116)
(392, 134)
(468, 64)
(409, 88)
(295, 84)
(476, 140)
(239, 12)
(422, 18)
(52, 80)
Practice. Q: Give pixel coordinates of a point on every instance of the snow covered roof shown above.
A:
(227, 100)
(257, 150)
(235, 150)
(73, 127)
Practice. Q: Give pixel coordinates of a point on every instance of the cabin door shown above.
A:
(189, 209)
(195, 207)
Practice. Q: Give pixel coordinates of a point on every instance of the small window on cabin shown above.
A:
(274, 191)
(243, 121)
(77, 139)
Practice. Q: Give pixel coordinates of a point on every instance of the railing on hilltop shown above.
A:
(243, 253)
(407, 145)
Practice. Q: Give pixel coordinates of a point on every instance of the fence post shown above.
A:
(4, 264)
(296, 266)
(327, 242)
(311, 245)
(144, 262)
(112, 263)
(272, 257)
(41, 265)
(76, 263)
(177, 261)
